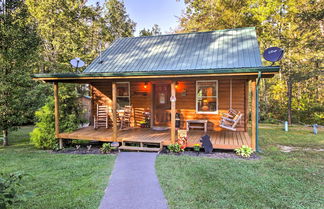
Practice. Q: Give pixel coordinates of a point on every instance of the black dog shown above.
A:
(206, 143)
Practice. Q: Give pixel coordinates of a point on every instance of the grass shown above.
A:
(55, 180)
(278, 180)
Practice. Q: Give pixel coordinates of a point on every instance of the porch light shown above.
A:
(145, 85)
(176, 84)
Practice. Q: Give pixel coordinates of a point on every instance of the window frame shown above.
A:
(201, 81)
(129, 96)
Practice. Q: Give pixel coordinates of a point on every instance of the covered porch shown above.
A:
(219, 139)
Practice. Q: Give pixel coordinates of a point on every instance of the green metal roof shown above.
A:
(232, 48)
(221, 51)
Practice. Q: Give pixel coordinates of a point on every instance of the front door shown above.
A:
(162, 105)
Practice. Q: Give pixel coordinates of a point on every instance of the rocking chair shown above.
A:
(101, 118)
(231, 123)
(125, 118)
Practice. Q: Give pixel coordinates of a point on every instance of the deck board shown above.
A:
(220, 140)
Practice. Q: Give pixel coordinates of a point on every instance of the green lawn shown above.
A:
(56, 180)
(278, 180)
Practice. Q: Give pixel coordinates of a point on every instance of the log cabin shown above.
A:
(184, 81)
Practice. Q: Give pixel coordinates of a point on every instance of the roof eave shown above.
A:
(167, 73)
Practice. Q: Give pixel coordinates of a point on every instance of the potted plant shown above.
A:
(197, 148)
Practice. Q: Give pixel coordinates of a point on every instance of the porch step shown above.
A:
(147, 149)
(141, 145)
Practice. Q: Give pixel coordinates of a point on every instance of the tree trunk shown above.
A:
(289, 95)
(5, 138)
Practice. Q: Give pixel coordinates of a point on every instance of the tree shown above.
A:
(153, 32)
(18, 45)
(294, 25)
(116, 20)
(70, 29)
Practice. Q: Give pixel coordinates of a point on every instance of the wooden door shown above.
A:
(162, 105)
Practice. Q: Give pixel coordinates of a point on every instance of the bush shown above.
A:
(175, 148)
(8, 189)
(244, 151)
(106, 148)
(43, 136)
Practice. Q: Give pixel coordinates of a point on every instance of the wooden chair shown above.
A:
(231, 113)
(125, 118)
(101, 118)
(231, 123)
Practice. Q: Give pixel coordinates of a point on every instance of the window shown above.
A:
(207, 97)
(123, 94)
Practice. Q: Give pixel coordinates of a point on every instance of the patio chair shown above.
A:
(101, 118)
(125, 118)
(231, 113)
(231, 123)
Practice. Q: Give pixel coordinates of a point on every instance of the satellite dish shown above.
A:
(77, 62)
(273, 54)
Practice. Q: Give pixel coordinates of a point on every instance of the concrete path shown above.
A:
(134, 184)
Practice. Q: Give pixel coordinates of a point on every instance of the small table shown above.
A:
(204, 122)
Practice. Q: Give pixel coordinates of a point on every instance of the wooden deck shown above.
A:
(220, 140)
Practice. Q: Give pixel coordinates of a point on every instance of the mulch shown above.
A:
(84, 151)
(220, 154)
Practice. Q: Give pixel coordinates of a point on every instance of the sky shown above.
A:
(146, 13)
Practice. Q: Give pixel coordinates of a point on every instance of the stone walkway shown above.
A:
(134, 184)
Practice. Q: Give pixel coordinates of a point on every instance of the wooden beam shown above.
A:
(246, 106)
(56, 109)
(173, 111)
(253, 115)
(114, 110)
(57, 114)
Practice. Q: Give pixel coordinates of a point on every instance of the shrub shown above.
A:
(8, 189)
(106, 148)
(43, 136)
(244, 151)
(175, 148)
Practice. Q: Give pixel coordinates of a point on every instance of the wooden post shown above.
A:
(246, 108)
(91, 119)
(173, 111)
(152, 106)
(114, 110)
(57, 114)
(253, 115)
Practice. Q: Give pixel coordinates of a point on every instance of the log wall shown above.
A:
(141, 100)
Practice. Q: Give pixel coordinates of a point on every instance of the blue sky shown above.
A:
(146, 13)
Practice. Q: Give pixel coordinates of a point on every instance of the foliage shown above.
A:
(117, 22)
(18, 47)
(175, 148)
(106, 148)
(8, 189)
(295, 26)
(197, 147)
(70, 118)
(156, 30)
(244, 151)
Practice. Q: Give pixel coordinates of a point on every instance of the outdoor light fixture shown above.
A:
(177, 84)
(145, 85)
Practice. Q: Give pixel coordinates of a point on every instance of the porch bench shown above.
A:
(203, 122)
